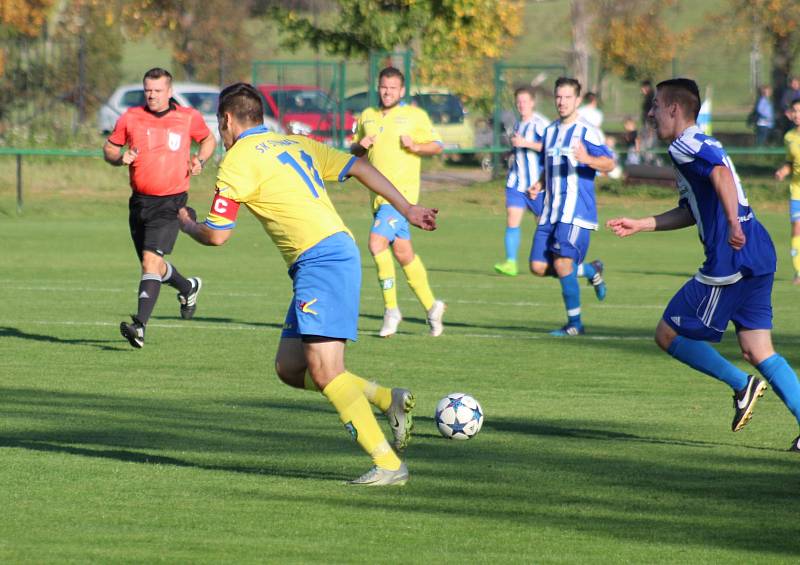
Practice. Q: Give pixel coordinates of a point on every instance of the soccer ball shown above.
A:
(458, 416)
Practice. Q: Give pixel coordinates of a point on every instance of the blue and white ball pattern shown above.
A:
(458, 416)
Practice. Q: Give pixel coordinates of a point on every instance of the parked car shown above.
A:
(307, 110)
(446, 112)
(202, 97)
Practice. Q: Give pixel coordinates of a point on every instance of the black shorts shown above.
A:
(154, 222)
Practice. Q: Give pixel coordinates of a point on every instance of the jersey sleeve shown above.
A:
(120, 134)
(331, 164)
(198, 130)
(234, 186)
(595, 145)
(423, 130)
(787, 143)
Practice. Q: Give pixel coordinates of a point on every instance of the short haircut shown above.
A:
(390, 72)
(156, 73)
(568, 81)
(243, 101)
(529, 90)
(794, 102)
(646, 83)
(683, 92)
(589, 97)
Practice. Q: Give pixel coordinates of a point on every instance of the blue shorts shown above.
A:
(702, 312)
(327, 286)
(390, 223)
(560, 240)
(794, 210)
(516, 199)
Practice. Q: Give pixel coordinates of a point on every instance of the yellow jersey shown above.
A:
(792, 142)
(387, 154)
(280, 179)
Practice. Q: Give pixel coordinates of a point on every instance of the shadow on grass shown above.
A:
(636, 483)
(99, 343)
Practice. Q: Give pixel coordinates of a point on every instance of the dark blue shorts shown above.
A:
(327, 287)
(702, 312)
(516, 199)
(562, 240)
(390, 223)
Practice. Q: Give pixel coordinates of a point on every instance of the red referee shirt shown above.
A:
(163, 143)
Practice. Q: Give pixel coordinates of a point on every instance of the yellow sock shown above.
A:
(796, 254)
(418, 281)
(358, 419)
(385, 264)
(379, 396)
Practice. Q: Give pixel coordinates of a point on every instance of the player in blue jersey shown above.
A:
(573, 153)
(735, 281)
(524, 171)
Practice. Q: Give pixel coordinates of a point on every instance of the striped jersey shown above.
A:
(569, 185)
(525, 162)
(694, 156)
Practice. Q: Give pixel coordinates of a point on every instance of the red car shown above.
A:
(307, 110)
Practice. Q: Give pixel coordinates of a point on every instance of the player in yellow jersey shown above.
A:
(280, 180)
(394, 137)
(792, 166)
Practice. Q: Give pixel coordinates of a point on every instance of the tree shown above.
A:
(207, 37)
(631, 39)
(778, 23)
(24, 17)
(454, 41)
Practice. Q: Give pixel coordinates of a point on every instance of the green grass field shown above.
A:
(594, 450)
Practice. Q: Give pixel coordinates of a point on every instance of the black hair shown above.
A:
(683, 92)
(243, 101)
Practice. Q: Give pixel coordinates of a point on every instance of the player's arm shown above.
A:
(422, 149)
(725, 187)
(201, 233)
(423, 218)
(674, 219)
(600, 163)
(117, 155)
(204, 153)
(783, 171)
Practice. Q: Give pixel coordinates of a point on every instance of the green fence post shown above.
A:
(19, 183)
(496, 122)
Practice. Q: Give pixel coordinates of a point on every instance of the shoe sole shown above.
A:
(758, 393)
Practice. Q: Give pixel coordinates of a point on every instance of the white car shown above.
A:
(202, 97)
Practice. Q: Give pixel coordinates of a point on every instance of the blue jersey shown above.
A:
(569, 185)
(694, 155)
(525, 167)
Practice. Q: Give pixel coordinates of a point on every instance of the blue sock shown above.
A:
(783, 380)
(572, 297)
(512, 243)
(701, 356)
(586, 270)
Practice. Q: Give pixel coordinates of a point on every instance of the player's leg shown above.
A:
(417, 277)
(188, 288)
(593, 273)
(753, 322)
(540, 259)
(696, 315)
(515, 208)
(794, 210)
(568, 246)
(381, 235)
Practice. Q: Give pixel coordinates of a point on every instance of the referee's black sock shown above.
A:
(176, 280)
(149, 287)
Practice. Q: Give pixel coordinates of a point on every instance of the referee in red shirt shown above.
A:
(159, 139)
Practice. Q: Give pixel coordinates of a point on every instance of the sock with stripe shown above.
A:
(512, 243)
(784, 382)
(571, 293)
(357, 417)
(176, 280)
(796, 254)
(149, 287)
(418, 281)
(386, 278)
(699, 355)
(586, 270)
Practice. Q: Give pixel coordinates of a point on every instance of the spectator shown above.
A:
(630, 137)
(648, 136)
(590, 112)
(764, 115)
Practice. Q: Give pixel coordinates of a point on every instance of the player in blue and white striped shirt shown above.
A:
(574, 152)
(524, 171)
(735, 281)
